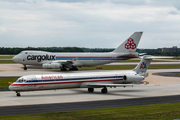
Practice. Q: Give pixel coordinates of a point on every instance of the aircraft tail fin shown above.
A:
(130, 44)
(143, 65)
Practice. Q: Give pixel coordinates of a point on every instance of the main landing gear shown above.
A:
(104, 90)
(70, 69)
(18, 94)
(73, 68)
(90, 89)
(63, 69)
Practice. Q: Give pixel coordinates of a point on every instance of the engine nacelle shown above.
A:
(56, 65)
(52, 65)
(133, 78)
(46, 66)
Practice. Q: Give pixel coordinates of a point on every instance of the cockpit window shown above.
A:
(21, 80)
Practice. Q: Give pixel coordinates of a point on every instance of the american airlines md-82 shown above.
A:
(73, 60)
(88, 80)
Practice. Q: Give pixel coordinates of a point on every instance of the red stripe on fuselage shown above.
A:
(26, 84)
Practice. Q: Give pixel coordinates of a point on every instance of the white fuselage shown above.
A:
(69, 80)
(79, 59)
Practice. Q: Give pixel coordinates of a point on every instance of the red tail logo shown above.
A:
(143, 65)
(130, 44)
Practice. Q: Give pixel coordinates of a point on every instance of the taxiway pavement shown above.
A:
(157, 87)
(57, 107)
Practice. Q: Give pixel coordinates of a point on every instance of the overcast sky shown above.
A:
(88, 23)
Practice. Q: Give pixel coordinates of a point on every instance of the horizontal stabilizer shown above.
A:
(149, 57)
(143, 65)
(141, 54)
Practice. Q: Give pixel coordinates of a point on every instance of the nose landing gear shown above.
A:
(18, 94)
(25, 68)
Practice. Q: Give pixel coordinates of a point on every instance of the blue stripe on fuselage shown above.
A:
(92, 58)
(74, 79)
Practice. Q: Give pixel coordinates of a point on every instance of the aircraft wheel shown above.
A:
(75, 68)
(104, 90)
(90, 89)
(25, 68)
(18, 94)
(63, 69)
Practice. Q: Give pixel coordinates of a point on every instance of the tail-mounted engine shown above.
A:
(133, 78)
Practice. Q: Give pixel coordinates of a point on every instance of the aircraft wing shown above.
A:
(110, 85)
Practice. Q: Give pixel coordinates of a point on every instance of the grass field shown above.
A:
(139, 61)
(6, 61)
(7, 57)
(4, 82)
(176, 58)
(167, 111)
(124, 67)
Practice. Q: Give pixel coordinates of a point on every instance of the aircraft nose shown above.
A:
(11, 88)
(15, 58)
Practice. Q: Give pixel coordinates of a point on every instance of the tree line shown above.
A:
(16, 50)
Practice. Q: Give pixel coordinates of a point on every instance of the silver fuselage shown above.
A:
(68, 80)
(79, 59)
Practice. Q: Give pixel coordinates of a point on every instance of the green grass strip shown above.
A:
(4, 82)
(6, 61)
(6, 57)
(176, 58)
(139, 61)
(125, 67)
(166, 111)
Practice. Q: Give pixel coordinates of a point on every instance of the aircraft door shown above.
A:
(24, 58)
(32, 80)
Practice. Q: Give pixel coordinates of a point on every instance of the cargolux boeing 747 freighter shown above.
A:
(73, 60)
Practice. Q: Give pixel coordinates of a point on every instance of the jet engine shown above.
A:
(133, 78)
(52, 65)
(46, 66)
